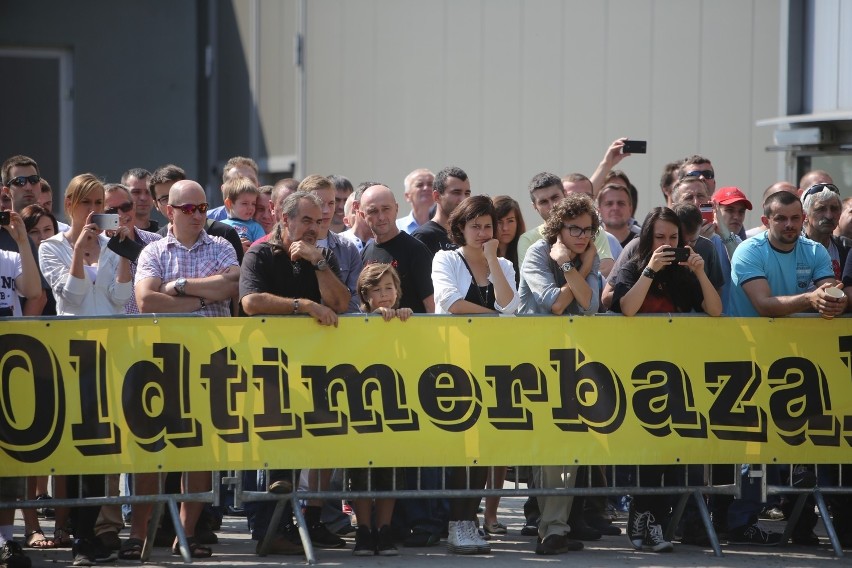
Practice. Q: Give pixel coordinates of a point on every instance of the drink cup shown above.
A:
(835, 293)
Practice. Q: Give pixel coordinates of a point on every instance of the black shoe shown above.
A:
(364, 543)
(12, 556)
(530, 527)
(557, 544)
(321, 537)
(753, 534)
(420, 537)
(603, 525)
(87, 552)
(580, 530)
(805, 539)
(110, 540)
(384, 542)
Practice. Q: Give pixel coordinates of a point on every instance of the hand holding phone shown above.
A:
(5, 218)
(681, 254)
(105, 221)
(707, 212)
(634, 147)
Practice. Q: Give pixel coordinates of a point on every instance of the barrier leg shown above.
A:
(181, 535)
(708, 523)
(794, 517)
(272, 529)
(829, 524)
(677, 513)
(303, 531)
(153, 527)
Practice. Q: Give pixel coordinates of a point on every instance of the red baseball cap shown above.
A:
(729, 195)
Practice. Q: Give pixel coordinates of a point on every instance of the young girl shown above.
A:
(380, 291)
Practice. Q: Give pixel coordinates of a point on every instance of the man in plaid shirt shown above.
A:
(188, 271)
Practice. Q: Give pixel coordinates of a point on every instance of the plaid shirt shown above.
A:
(143, 238)
(169, 260)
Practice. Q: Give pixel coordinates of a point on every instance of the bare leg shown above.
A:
(492, 503)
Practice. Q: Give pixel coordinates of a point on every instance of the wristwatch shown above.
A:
(180, 286)
(321, 265)
(567, 266)
(296, 305)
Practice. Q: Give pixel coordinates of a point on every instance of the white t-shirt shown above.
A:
(10, 269)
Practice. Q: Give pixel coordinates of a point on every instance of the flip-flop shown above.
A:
(36, 539)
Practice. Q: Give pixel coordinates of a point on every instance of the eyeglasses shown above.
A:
(125, 207)
(189, 208)
(818, 187)
(21, 181)
(163, 199)
(576, 231)
(707, 174)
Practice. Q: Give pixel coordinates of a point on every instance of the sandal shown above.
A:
(496, 528)
(36, 539)
(131, 549)
(61, 538)
(196, 550)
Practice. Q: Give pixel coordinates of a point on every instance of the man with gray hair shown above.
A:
(823, 207)
(418, 192)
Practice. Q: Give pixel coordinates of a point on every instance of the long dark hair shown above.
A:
(503, 205)
(676, 281)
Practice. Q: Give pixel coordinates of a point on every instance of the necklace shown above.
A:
(297, 269)
(482, 299)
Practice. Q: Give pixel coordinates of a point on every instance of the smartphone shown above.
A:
(105, 221)
(5, 219)
(681, 254)
(707, 212)
(634, 147)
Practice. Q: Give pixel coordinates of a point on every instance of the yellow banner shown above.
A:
(171, 393)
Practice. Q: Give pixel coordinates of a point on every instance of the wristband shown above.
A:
(649, 273)
(202, 303)
(296, 306)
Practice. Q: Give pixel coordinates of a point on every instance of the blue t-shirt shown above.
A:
(251, 229)
(788, 273)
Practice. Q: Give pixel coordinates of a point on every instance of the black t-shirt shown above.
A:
(412, 261)
(434, 236)
(675, 289)
(265, 272)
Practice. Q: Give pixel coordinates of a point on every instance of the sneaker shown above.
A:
(637, 526)
(654, 537)
(482, 546)
(321, 537)
(557, 544)
(87, 552)
(281, 487)
(753, 534)
(365, 545)
(12, 556)
(483, 534)
(460, 538)
(384, 542)
(280, 545)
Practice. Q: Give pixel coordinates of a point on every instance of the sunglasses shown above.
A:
(189, 208)
(125, 207)
(707, 174)
(818, 187)
(21, 181)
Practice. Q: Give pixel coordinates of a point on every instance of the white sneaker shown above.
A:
(482, 545)
(460, 538)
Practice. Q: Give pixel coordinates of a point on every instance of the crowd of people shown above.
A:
(320, 247)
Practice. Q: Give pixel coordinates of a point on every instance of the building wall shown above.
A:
(508, 88)
(135, 89)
